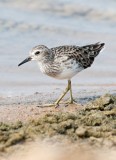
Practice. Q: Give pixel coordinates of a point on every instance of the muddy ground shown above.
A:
(92, 124)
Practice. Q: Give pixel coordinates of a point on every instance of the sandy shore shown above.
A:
(87, 127)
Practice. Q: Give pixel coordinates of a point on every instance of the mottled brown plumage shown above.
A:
(84, 55)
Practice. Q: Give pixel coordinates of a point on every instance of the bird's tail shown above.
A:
(94, 49)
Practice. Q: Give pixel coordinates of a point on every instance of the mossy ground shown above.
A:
(96, 122)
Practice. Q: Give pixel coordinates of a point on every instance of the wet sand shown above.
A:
(87, 127)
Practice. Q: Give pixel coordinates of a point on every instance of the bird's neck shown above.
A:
(44, 66)
(47, 59)
(46, 62)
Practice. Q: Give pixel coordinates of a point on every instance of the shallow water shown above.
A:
(24, 24)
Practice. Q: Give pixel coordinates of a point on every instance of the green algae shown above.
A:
(96, 121)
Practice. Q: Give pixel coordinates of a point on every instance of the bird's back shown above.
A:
(83, 55)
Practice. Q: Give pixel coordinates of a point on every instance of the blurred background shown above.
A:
(26, 23)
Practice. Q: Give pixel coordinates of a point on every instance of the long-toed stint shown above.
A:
(64, 62)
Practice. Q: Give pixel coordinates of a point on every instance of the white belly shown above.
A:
(68, 71)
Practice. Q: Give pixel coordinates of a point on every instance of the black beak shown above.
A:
(26, 60)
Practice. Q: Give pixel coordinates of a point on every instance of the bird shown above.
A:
(64, 62)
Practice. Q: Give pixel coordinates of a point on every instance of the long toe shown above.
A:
(71, 101)
(46, 105)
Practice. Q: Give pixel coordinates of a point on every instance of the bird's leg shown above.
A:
(71, 101)
(64, 93)
(68, 88)
(56, 104)
(71, 97)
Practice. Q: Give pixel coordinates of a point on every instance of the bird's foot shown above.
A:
(71, 101)
(56, 104)
(48, 105)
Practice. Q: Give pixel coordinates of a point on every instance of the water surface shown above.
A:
(24, 24)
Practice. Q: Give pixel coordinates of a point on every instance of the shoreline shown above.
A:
(25, 106)
(91, 124)
(37, 87)
(89, 127)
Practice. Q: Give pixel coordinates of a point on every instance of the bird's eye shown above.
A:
(36, 53)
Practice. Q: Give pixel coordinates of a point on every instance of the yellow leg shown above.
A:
(71, 97)
(71, 101)
(66, 90)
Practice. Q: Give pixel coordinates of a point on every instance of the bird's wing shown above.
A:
(83, 55)
(88, 53)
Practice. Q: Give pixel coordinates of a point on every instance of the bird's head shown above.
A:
(38, 53)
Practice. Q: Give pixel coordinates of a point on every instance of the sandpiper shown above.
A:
(64, 62)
